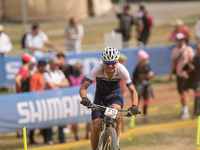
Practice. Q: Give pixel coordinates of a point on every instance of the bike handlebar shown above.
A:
(102, 108)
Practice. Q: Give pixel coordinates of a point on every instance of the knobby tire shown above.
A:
(110, 139)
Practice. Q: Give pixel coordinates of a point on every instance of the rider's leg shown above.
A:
(118, 120)
(119, 123)
(117, 101)
(96, 126)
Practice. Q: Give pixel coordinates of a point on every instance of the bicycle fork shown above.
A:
(103, 129)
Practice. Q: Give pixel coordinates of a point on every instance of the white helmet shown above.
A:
(110, 54)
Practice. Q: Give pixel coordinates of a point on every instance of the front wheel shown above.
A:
(110, 139)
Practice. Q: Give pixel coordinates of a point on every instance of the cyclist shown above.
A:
(108, 74)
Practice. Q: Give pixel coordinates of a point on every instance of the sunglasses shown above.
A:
(110, 63)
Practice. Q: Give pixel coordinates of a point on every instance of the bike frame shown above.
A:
(104, 127)
(107, 122)
(101, 137)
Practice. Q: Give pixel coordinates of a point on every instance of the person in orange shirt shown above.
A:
(36, 83)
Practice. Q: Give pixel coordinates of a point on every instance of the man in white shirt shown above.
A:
(36, 40)
(74, 34)
(55, 79)
(5, 44)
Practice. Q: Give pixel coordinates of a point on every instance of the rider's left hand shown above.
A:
(133, 109)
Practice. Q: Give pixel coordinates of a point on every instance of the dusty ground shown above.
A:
(162, 12)
(176, 147)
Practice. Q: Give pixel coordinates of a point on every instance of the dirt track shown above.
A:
(180, 146)
(163, 12)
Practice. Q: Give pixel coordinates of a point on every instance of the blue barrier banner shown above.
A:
(61, 107)
(43, 109)
(160, 61)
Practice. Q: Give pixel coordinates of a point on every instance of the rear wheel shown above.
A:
(110, 139)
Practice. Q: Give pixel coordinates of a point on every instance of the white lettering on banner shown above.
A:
(44, 108)
(35, 114)
(23, 112)
(53, 103)
(76, 100)
(67, 106)
(89, 63)
(52, 109)
(12, 68)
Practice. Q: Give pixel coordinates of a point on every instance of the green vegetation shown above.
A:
(94, 32)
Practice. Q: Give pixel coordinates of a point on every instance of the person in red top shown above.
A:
(179, 27)
(23, 72)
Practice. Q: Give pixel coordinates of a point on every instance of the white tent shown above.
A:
(52, 9)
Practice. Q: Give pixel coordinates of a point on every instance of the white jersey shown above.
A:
(103, 82)
(36, 41)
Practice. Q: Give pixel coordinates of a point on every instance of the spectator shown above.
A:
(23, 72)
(5, 44)
(181, 55)
(197, 31)
(36, 80)
(36, 40)
(22, 76)
(55, 79)
(194, 80)
(122, 60)
(77, 78)
(141, 76)
(74, 33)
(125, 23)
(66, 68)
(144, 24)
(36, 83)
(32, 67)
(179, 27)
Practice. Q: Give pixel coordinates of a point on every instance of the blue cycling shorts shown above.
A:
(106, 100)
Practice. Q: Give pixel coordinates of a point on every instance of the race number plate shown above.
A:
(111, 112)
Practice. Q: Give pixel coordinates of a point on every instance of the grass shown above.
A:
(94, 32)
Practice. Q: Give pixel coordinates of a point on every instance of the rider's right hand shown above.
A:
(85, 101)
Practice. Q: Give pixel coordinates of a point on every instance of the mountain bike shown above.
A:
(108, 135)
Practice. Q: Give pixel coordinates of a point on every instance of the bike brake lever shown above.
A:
(129, 114)
(90, 106)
